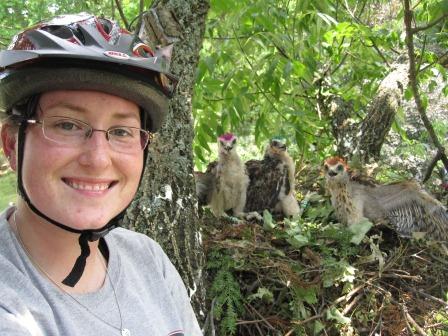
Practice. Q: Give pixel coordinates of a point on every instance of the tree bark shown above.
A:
(166, 205)
(365, 139)
(380, 115)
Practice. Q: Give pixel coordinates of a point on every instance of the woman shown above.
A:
(81, 98)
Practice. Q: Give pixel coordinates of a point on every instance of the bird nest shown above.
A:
(308, 278)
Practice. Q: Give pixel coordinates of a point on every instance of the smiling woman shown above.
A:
(77, 126)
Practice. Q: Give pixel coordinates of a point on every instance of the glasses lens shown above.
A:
(128, 139)
(65, 130)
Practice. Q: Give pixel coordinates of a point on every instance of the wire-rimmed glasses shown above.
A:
(74, 132)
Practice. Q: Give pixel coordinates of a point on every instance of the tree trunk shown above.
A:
(166, 205)
(365, 139)
(381, 113)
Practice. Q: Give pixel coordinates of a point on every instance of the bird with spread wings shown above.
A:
(405, 205)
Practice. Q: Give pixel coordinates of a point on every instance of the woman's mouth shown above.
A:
(88, 186)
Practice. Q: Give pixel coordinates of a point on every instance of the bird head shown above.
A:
(336, 169)
(276, 147)
(226, 143)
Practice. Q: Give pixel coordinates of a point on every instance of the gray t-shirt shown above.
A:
(151, 295)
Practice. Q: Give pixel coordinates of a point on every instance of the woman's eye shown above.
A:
(121, 132)
(67, 126)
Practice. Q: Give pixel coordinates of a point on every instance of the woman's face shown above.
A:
(86, 185)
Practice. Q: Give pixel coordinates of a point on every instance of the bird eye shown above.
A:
(340, 167)
(326, 167)
(233, 141)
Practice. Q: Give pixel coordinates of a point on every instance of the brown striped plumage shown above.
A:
(405, 205)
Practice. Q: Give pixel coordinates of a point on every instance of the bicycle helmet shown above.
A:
(81, 52)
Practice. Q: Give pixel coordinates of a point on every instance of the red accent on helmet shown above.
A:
(139, 47)
(100, 28)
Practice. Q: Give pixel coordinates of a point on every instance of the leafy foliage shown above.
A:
(266, 72)
(225, 290)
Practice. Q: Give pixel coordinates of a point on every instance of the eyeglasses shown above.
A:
(73, 132)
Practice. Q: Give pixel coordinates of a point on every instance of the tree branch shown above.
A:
(431, 166)
(441, 60)
(429, 25)
(413, 81)
(122, 16)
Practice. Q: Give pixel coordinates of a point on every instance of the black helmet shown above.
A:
(82, 52)
(85, 52)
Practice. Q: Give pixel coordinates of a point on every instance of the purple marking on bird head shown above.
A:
(227, 137)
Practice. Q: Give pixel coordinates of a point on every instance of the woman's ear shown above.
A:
(9, 141)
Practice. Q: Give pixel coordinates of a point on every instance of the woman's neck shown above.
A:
(53, 251)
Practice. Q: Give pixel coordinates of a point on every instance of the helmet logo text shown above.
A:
(116, 54)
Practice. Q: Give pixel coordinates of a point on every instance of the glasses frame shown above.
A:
(90, 130)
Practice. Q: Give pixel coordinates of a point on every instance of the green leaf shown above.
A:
(359, 230)
(327, 19)
(299, 69)
(227, 81)
(408, 94)
(424, 99)
(298, 241)
(268, 222)
(210, 63)
(307, 294)
(318, 327)
(202, 141)
(198, 153)
(334, 314)
(287, 69)
(262, 293)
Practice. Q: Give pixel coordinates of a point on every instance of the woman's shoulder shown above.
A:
(134, 243)
(129, 238)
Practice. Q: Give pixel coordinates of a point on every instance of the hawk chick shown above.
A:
(405, 205)
(271, 183)
(223, 186)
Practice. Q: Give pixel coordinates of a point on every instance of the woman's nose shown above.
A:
(96, 150)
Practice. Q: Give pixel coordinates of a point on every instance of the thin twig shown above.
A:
(348, 296)
(122, 16)
(428, 296)
(350, 306)
(440, 59)
(429, 25)
(309, 319)
(411, 320)
(260, 316)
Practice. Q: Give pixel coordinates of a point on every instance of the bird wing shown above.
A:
(266, 178)
(204, 187)
(205, 183)
(410, 208)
